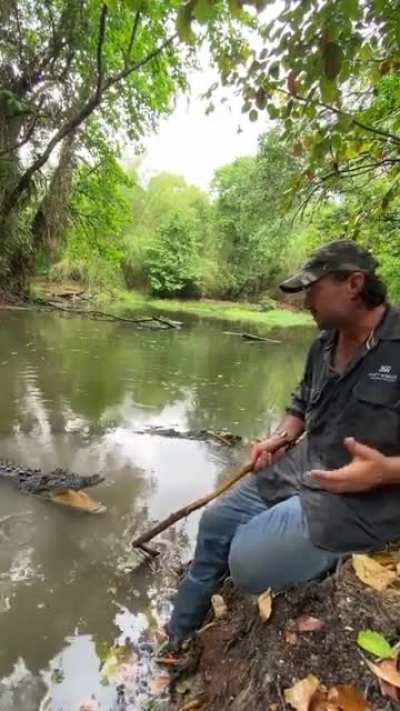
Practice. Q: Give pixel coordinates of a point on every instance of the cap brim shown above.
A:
(298, 282)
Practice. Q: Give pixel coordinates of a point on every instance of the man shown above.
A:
(327, 482)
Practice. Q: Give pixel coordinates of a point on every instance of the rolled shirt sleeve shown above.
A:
(301, 395)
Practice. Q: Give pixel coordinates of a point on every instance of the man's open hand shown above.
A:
(367, 470)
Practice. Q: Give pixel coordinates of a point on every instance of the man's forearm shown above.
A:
(293, 426)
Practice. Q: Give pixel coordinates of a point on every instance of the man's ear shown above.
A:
(355, 283)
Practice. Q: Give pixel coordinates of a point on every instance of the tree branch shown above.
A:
(128, 70)
(339, 112)
(74, 122)
(132, 38)
(55, 46)
(351, 172)
(99, 52)
(19, 30)
(26, 137)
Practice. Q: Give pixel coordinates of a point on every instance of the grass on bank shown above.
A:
(125, 301)
(225, 310)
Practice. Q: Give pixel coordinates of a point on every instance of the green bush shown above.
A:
(173, 263)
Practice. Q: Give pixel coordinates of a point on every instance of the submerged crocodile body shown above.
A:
(61, 486)
(221, 436)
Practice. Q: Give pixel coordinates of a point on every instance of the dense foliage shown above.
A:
(76, 81)
(73, 75)
(172, 239)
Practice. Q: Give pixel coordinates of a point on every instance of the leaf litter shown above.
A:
(264, 602)
(244, 660)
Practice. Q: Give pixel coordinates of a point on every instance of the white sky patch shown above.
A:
(193, 144)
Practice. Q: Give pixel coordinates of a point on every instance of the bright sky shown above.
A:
(192, 144)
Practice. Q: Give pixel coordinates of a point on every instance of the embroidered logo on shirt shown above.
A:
(384, 374)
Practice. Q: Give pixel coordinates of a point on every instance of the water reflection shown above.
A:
(74, 395)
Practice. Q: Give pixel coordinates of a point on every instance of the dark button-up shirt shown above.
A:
(362, 402)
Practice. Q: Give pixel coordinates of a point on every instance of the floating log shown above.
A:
(251, 337)
(106, 316)
(254, 337)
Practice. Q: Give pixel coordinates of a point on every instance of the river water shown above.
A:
(75, 610)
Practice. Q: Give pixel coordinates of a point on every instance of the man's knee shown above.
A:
(212, 519)
(244, 570)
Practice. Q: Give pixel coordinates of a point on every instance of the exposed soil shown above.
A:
(244, 663)
(8, 298)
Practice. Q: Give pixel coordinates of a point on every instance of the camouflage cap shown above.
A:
(341, 255)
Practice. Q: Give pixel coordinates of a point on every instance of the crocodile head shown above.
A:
(78, 500)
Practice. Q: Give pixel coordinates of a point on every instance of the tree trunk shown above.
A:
(51, 219)
(10, 128)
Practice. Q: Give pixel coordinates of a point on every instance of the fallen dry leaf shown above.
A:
(291, 637)
(264, 602)
(300, 694)
(159, 684)
(194, 704)
(206, 627)
(393, 692)
(219, 606)
(167, 661)
(307, 623)
(384, 558)
(372, 573)
(386, 670)
(339, 698)
(348, 698)
(319, 702)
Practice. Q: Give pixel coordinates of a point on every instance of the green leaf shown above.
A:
(235, 7)
(273, 111)
(134, 5)
(332, 57)
(183, 23)
(253, 115)
(274, 70)
(366, 52)
(375, 643)
(202, 10)
(261, 98)
(328, 90)
(345, 122)
(351, 9)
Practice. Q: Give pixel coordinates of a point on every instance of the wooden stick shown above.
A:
(186, 510)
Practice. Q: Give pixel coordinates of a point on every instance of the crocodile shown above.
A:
(59, 486)
(222, 436)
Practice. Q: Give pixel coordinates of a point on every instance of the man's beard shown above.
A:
(325, 322)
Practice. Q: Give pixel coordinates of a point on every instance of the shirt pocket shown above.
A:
(378, 394)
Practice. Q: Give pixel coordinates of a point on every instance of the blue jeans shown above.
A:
(261, 546)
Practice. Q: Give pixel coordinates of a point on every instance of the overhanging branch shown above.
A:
(339, 112)
(99, 51)
(74, 122)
